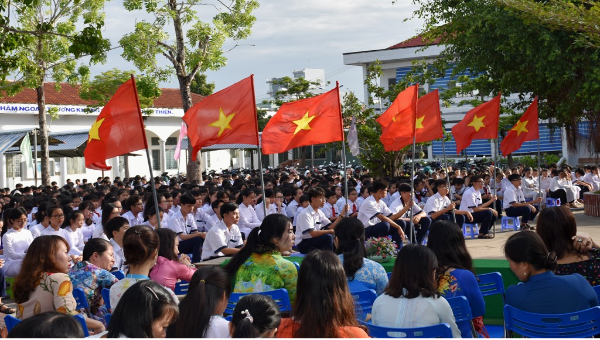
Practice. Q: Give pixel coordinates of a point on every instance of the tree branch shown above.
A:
(35, 33)
(167, 46)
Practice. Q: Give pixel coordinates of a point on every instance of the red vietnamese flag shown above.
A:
(315, 120)
(428, 124)
(399, 119)
(525, 129)
(479, 123)
(118, 129)
(226, 117)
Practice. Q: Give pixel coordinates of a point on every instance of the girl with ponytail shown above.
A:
(350, 246)
(255, 316)
(259, 266)
(542, 291)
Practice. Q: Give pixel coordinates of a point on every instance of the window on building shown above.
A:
(154, 141)
(171, 141)
(171, 162)
(13, 165)
(391, 82)
(75, 165)
(156, 160)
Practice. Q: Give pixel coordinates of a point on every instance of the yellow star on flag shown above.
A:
(419, 123)
(223, 122)
(303, 123)
(521, 127)
(477, 123)
(94, 134)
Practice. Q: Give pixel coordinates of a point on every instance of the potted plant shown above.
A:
(380, 249)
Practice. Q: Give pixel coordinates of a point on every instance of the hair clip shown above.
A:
(248, 316)
(138, 232)
(203, 281)
(259, 230)
(153, 292)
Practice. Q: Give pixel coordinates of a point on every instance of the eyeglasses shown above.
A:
(278, 196)
(58, 216)
(21, 221)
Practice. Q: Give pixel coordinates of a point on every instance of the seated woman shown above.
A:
(259, 266)
(109, 211)
(557, 227)
(543, 292)
(93, 274)
(15, 240)
(455, 274)
(210, 288)
(412, 298)
(361, 273)
(168, 268)
(43, 284)
(255, 316)
(324, 307)
(146, 311)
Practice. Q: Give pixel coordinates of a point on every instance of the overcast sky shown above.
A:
(291, 35)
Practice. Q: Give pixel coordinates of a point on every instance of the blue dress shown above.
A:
(547, 293)
(371, 275)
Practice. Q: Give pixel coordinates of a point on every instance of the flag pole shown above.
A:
(35, 131)
(137, 101)
(497, 153)
(337, 86)
(412, 186)
(260, 165)
(447, 175)
(539, 159)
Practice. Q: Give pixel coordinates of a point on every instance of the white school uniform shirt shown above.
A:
(97, 215)
(545, 183)
(181, 225)
(505, 184)
(454, 191)
(592, 179)
(471, 199)
(369, 209)
(398, 205)
(342, 202)
(50, 231)
(15, 245)
(118, 255)
(201, 218)
(388, 198)
(248, 219)
(220, 237)
(309, 220)
(36, 230)
(75, 240)
(272, 209)
(327, 210)
(436, 203)
(291, 208)
(212, 221)
(207, 209)
(99, 232)
(88, 231)
(133, 220)
(512, 195)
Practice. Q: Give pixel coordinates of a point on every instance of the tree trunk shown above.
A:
(194, 168)
(511, 161)
(126, 165)
(45, 158)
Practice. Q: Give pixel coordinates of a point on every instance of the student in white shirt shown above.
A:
(313, 229)
(457, 190)
(514, 203)
(481, 212)
(74, 233)
(225, 238)
(151, 218)
(352, 202)
(330, 209)
(200, 215)
(115, 229)
(591, 176)
(184, 225)
(363, 194)
(291, 208)
(404, 204)
(109, 210)
(439, 207)
(15, 241)
(57, 218)
(136, 207)
(42, 220)
(529, 185)
(378, 219)
(216, 217)
(87, 208)
(304, 203)
(559, 189)
(248, 219)
(274, 202)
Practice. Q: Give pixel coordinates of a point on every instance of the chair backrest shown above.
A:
(491, 284)
(81, 299)
(297, 265)
(462, 315)
(106, 297)
(582, 324)
(81, 321)
(10, 322)
(119, 274)
(181, 287)
(436, 331)
(280, 296)
(597, 290)
(107, 318)
(389, 275)
(363, 302)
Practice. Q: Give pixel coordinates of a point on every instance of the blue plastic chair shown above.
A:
(436, 331)
(492, 284)
(107, 318)
(363, 302)
(582, 324)
(552, 202)
(10, 322)
(389, 275)
(181, 287)
(119, 274)
(81, 299)
(510, 222)
(106, 297)
(280, 296)
(462, 316)
(597, 290)
(473, 229)
(81, 321)
(297, 265)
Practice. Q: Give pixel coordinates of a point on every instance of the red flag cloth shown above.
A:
(399, 119)
(226, 117)
(479, 123)
(525, 129)
(428, 124)
(315, 120)
(118, 129)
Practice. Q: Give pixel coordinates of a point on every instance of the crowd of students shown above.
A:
(56, 239)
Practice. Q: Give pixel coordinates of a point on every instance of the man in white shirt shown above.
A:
(135, 206)
(405, 204)
(291, 208)
(378, 219)
(591, 176)
(481, 212)
(514, 203)
(248, 219)
(184, 225)
(115, 229)
(352, 201)
(224, 239)
(439, 207)
(313, 228)
(330, 209)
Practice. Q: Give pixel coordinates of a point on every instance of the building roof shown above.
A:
(412, 42)
(68, 95)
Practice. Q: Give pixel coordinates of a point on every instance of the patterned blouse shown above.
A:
(371, 275)
(54, 293)
(264, 272)
(590, 268)
(92, 279)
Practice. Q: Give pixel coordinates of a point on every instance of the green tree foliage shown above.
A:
(200, 86)
(41, 42)
(294, 89)
(196, 47)
(508, 54)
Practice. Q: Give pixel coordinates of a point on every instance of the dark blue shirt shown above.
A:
(547, 293)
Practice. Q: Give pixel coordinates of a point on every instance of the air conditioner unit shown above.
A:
(27, 172)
